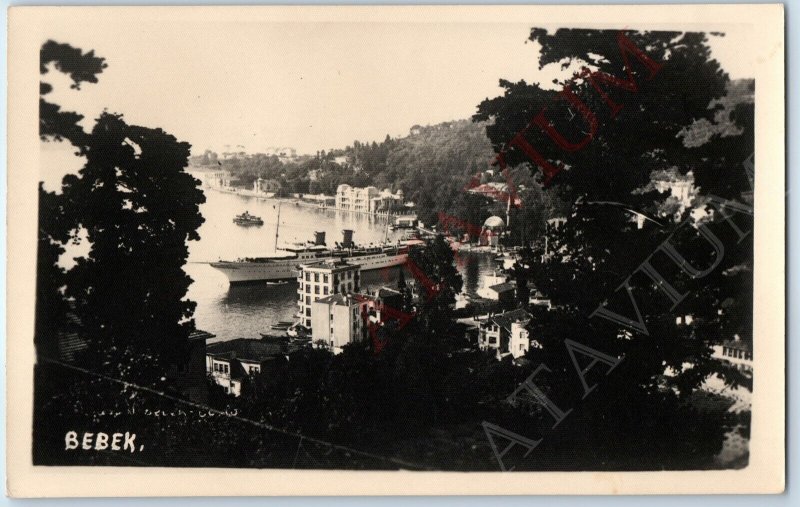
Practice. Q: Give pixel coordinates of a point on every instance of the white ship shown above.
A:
(283, 266)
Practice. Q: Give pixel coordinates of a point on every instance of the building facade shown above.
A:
(338, 320)
(230, 363)
(506, 333)
(368, 200)
(737, 352)
(318, 280)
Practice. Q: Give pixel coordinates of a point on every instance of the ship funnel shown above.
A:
(319, 237)
(347, 238)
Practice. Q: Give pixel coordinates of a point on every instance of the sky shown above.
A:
(310, 86)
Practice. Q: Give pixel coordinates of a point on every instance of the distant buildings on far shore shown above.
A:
(369, 200)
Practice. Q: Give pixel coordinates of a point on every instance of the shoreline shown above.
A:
(298, 201)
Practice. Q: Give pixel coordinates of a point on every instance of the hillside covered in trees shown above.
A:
(432, 166)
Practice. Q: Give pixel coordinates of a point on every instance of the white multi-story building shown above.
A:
(355, 199)
(338, 320)
(321, 279)
(368, 200)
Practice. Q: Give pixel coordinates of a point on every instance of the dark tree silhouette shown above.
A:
(81, 67)
(640, 128)
(56, 218)
(139, 208)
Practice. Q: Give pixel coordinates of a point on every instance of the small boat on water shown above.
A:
(277, 282)
(282, 326)
(247, 219)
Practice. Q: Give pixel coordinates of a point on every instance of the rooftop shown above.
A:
(199, 334)
(384, 292)
(505, 320)
(738, 344)
(343, 299)
(246, 349)
(503, 287)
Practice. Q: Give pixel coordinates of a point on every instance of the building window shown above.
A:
(325, 278)
(308, 323)
(316, 298)
(492, 340)
(308, 300)
(308, 277)
(225, 366)
(308, 289)
(316, 289)
(308, 312)
(316, 277)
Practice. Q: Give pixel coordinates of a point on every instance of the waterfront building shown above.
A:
(496, 333)
(405, 221)
(387, 203)
(229, 363)
(318, 280)
(489, 281)
(491, 231)
(354, 199)
(220, 179)
(368, 200)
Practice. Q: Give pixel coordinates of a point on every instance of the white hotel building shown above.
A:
(322, 279)
(368, 200)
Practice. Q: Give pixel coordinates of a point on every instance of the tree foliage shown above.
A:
(677, 117)
(137, 208)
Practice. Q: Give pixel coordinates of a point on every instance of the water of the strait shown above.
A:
(245, 311)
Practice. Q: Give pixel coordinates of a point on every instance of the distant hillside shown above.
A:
(431, 165)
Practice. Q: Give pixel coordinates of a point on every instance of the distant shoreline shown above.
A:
(301, 202)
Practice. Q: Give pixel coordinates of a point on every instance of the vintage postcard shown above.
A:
(396, 250)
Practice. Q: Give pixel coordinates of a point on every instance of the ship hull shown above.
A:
(242, 273)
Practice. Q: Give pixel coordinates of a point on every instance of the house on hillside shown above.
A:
(507, 334)
(737, 352)
(230, 363)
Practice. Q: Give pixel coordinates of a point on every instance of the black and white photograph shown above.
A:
(397, 239)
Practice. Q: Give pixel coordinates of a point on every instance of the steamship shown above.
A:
(282, 266)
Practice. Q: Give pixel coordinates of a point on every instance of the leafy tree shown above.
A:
(438, 282)
(635, 126)
(81, 68)
(139, 208)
